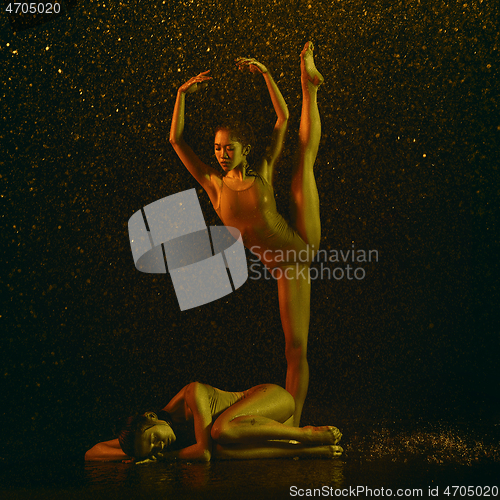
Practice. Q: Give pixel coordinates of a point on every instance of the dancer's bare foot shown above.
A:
(324, 434)
(336, 451)
(307, 66)
(326, 451)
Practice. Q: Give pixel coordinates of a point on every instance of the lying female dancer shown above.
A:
(230, 425)
(243, 197)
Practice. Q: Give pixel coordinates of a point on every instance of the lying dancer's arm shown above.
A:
(193, 396)
(278, 137)
(200, 171)
(196, 398)
(193, 399)
(106, 451)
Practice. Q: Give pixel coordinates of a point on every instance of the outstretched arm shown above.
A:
(106, 451)
(199, 170)
(278, 137)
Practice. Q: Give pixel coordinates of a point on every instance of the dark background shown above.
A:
(408, 166)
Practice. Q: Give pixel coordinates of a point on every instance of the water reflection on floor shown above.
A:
(376, 457)
(249, 479)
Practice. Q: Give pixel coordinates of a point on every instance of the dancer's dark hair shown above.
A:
(184, 435)
(240, 131)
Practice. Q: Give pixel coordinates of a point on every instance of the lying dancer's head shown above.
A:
(233, 142)
(144, 435)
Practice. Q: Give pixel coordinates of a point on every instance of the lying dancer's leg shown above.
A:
(276, 449)
(295, 294)
(266, 415)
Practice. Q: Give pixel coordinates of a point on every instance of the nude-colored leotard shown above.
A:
(220, 400)
(264, 231)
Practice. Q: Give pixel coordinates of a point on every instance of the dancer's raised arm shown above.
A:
(199, 170)
(278, 137)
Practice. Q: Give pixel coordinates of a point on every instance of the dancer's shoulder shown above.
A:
(263, 172)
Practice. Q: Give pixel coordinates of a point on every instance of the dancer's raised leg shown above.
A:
(305, 201)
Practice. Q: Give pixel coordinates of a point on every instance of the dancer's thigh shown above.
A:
(265, 400)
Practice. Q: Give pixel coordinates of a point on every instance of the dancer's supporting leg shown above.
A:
(294, 294)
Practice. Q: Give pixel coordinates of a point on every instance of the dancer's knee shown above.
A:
(296, 352)
(288, 403)
(221, 430)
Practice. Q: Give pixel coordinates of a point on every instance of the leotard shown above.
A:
(220, 400)
(264, 231)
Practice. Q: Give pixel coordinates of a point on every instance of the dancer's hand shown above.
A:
(167, 455)
(251, 64)
(146, 460)
(196, 83)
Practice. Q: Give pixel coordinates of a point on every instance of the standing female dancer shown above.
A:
(231, 425)
(243, 197)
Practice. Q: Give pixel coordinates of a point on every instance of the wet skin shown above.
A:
(229, 152)
(154, 439)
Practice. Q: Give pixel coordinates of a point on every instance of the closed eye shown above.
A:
(156, 443)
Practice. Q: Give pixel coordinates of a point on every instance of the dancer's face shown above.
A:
(230, 152)
(155, 436)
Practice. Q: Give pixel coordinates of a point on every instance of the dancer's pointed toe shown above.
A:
(308, 68)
